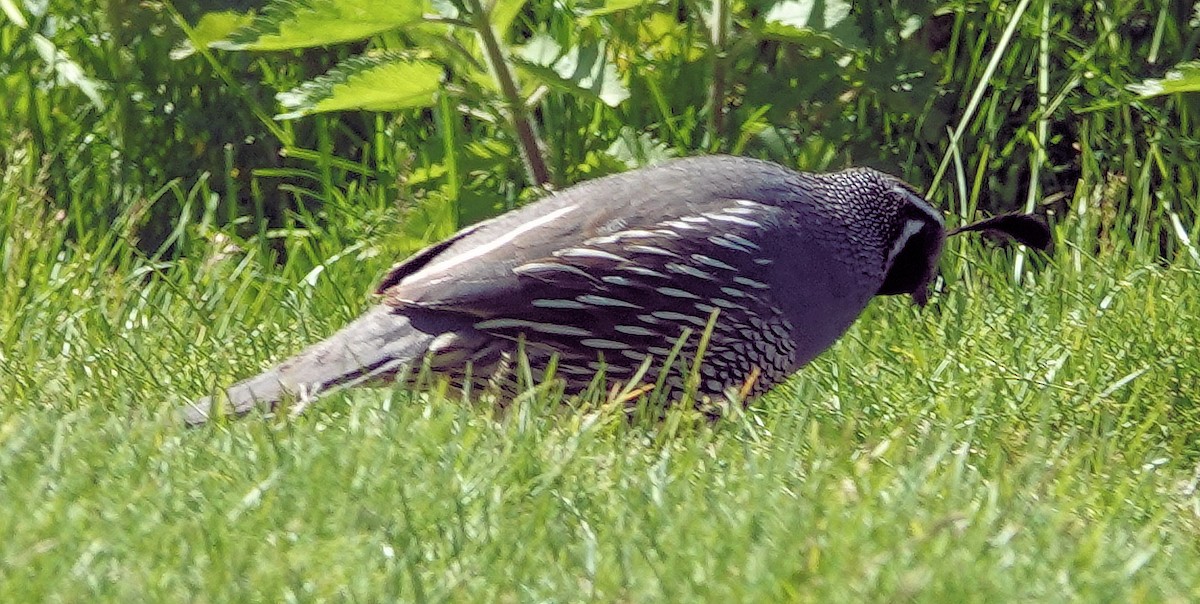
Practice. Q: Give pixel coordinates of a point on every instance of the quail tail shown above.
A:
(378, 344)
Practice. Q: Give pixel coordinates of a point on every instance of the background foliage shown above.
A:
(885, 88)
(1032, 433)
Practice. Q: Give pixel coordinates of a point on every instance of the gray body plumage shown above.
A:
(607, 272)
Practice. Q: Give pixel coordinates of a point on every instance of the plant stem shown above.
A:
(1043, 129)
(719, 35)
(518, 116)
(450, 144)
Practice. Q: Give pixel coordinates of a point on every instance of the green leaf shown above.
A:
(14, 14)
(444, 9)
(1184, 78)
(211, 28)
(797, 21)
(503, 13)
(582, 68)
(69, 73)
(541, 50)
(287, 24)
(636, 150)
(386, 82)
(613, 6)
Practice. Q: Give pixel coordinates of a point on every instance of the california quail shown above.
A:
(608, 272)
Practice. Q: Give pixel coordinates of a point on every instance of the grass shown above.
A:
(1007, 442)
(1016, 439)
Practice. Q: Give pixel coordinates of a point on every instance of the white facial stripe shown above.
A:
(912, 227)
(922, 205)
(439, 267)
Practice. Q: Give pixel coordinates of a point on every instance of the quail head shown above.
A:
(609, 275)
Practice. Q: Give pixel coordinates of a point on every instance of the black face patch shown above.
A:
(917, 245)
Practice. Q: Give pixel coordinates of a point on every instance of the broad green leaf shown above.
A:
(69, 73)
(503, 13)
(14, 14)
(211, 28)
(444, 8)
(661, 35)
(613, 6)
(636, 150)
(582, 68)
(450, 46)
(797, 21)
(540, 50)
(1184, 78)
(810, 14)
(911, 25)
(287, 24)
(379, 83)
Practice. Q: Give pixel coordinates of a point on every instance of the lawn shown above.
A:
(1032, 441)
(1033, 434)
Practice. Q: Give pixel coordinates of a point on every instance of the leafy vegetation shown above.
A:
(1030, 434)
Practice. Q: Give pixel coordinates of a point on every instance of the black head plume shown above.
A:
(1027, 229)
